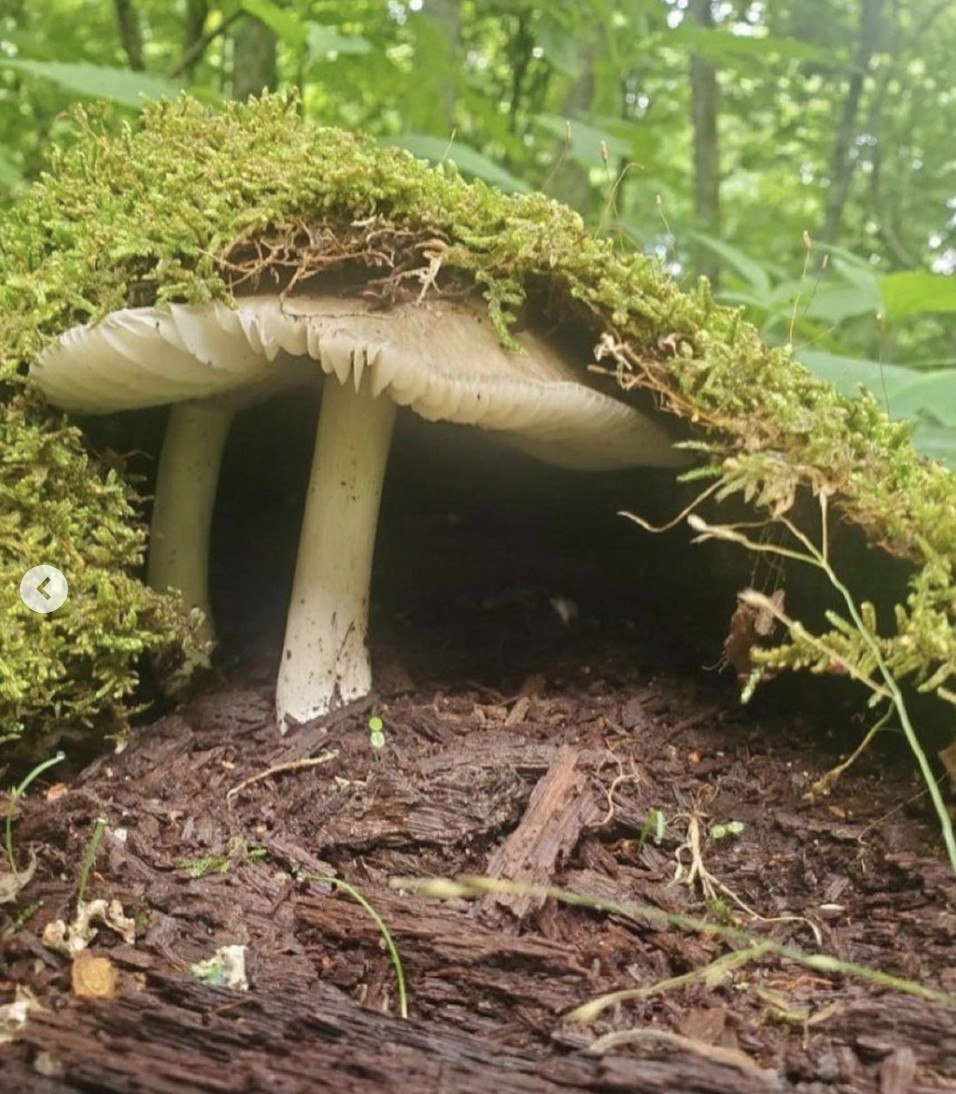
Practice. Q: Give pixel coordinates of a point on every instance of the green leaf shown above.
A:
(471, 162)
(847, 373)
(834, 303)
(623, 140)
(724, 47)
(752, 271)
(10, 175)
(584, 141)
(858, 273)
(914, 292)
(927, 398)
(325, 40)
(118, 85)
(285, 24)
(561, 47)
(936, 442)
(928, 395)
(829, 301)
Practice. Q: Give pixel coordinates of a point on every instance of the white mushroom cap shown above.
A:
(441, 359)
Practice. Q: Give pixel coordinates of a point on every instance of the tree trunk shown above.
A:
(843, 159)
(254, 59)
(196, 12)
(568, 180)
(131, 35)
(704, 105)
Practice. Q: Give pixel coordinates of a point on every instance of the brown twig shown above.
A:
(199, 47)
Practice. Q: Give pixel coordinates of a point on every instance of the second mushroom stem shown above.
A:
(186, 482)
(325, 660)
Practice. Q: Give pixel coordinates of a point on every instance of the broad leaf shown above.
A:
(724, 47)
(438, 149)
(752, 271)
(916, 291)
(831, 302)
(930, 395)
(118, 85)
(583, 140)
(325, 40)
(937, 442)
(623, 140)
(847, 373)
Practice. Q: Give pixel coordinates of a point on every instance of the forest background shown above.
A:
(800, 154)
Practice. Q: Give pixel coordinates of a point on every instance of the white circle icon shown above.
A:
(43, 589)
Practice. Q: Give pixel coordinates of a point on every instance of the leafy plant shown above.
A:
(853, 646)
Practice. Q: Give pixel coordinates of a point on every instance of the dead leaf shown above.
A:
(948, 757)
(11, 884)
(748, 625)
(73, 937)
(13, 1016)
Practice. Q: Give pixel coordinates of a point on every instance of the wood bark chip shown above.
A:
(560, 808)
(93, 977)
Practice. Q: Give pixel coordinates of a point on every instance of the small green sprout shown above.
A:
(654, 824)
(376, 735)
(725, 829)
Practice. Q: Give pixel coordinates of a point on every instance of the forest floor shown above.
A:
(218, 833)
(593, 755)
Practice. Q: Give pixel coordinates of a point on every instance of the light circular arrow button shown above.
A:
(43, 589)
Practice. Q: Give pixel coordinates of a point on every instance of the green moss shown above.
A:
(74, 668)
(190, 206)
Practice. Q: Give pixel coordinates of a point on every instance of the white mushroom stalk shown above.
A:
(325, 660)
(441, 359)
(183, 502)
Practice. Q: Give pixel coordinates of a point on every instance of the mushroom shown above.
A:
(443, 359)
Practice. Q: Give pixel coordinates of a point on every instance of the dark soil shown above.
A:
(517, 746)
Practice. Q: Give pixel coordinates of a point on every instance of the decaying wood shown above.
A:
(560, 807)
(556, 789)
(183, 1038)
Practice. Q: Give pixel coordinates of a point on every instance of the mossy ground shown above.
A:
(192, 206)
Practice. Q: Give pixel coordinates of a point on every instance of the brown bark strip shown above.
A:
(559, 809)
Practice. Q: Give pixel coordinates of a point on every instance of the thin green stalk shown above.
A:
(383, 930)
(15, 795)
(88, 858)
(899, 703)
(468, 887)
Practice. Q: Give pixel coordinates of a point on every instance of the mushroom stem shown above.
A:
(325, 661)
(186, 482)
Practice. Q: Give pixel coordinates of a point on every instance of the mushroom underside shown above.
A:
(441, 359)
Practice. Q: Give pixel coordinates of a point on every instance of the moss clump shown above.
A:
(191, 206)
(74, 668)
